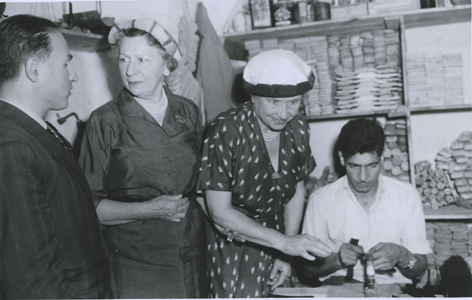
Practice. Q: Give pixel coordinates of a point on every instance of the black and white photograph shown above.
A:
(261, 13)
(192, 149)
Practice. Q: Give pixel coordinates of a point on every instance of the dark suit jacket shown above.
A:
(50, 238)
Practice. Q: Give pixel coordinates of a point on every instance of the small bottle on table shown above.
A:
(370, 288)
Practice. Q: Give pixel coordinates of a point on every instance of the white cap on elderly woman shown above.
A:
(277, 73)
(147, 25)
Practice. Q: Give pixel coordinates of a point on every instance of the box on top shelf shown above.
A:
(388, 6)
(346, 11)
(434, 79)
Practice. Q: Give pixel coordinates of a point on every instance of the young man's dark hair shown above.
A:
(361, 136)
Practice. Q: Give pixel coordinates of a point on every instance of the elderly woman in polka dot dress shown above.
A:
(255, 159)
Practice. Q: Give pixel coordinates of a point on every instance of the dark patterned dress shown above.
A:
(235, 159)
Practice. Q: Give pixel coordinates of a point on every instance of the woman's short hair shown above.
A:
(171, 62)
(361, 136)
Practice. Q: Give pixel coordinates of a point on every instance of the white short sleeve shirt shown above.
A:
(335, 216)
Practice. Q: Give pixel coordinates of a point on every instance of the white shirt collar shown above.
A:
(378, 195)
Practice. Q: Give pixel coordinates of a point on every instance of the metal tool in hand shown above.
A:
(350, 269)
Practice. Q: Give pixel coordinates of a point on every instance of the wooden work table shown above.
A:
(347, 290)
(449, 212)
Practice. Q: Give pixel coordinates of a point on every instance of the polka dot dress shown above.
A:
(235, 159)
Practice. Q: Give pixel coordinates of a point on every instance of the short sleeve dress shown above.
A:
(235, 159)
(128, 157)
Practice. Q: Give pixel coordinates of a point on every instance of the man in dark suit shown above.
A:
(50, 240)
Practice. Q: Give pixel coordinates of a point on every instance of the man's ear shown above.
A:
(341, 158)
(32, 68)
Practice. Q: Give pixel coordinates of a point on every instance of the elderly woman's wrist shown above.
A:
(283, 243)
(144, 210)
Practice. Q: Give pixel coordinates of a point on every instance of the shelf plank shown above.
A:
(348, 115)
(88, 42)
(440, 108)
(345, 26)
(450, 212)
(438, 16)
(394, 113)
(411, 159)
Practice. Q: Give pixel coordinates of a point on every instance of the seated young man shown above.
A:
(385, 215)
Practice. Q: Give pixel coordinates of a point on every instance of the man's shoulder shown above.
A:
(11, 130)
(325, 193)
(393, 184)
(398, 191)
(7, 121)
(10, 115)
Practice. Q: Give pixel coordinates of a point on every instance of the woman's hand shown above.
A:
(306, 246)
(172, 208)
(279, 273)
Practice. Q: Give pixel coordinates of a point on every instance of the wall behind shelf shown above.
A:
(165, 11)
(433, 131)
(322, 139)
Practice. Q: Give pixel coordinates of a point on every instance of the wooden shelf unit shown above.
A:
(88, 42)
(440, 108)
(413, 19)
(400, 21)
(400, 111)
(450, 212)
(438, 16)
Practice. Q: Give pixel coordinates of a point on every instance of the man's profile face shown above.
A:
(57, 73)
(362, 171)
